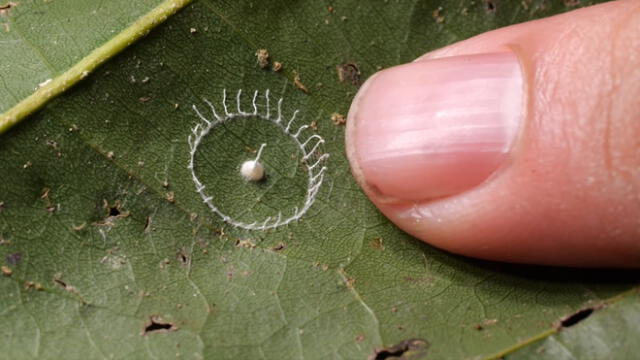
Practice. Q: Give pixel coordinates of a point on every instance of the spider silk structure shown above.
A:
(310, 147)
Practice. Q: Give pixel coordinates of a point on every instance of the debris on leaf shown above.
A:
(348, 281)
(79, 227)
(55, 147)
(57, 278)
(28, 285)
(485, 324)
(349, 72)
(277, 66)
(437, 15)
(49, 206)
(262, 56)
(298, 83)
(248, 244)
(164, 263)
(338, 119)
(6, 271)
(44, 83)
(377, 243)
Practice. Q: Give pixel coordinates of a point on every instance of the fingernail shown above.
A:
(436, 128)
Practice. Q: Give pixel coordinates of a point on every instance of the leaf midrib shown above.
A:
(88, 64)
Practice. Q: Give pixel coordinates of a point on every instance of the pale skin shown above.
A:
(568, 191)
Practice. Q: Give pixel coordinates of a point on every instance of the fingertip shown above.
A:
(432, 145)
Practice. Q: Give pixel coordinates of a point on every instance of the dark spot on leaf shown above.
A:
(279, 247)
(60, 282)
(4, 9)
(406, 350)
(490, 6)
(481, 326)
(14, 259)
(576, 317)
(156, 325)
(70, 288)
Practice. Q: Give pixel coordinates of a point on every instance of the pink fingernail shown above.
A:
(437, 128)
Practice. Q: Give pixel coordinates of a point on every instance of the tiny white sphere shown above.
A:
(252, 170)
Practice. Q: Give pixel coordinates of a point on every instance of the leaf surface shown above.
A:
(113, 253)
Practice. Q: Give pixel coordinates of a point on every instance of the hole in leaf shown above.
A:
(183, 256)
(576, 317)
(114, 211)
(406, 350)
(155, 324)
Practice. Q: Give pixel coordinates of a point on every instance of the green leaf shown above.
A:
(610, 332)
(113, 254)
(44, 52)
